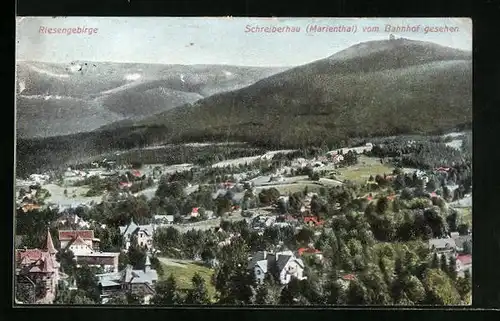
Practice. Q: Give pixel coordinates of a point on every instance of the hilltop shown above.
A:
(60, 99)
(371, 89)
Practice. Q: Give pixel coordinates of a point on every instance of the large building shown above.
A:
(37, 274)
(78, 240)
(85, 248)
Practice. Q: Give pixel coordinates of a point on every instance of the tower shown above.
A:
(147, 265)
(50, 245)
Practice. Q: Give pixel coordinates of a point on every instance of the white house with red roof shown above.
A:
(136, 173)
(124, 185)
(38, 269)
(85, 248)
(78, 241)
(194, 212)
(346, 279)
(310, 251)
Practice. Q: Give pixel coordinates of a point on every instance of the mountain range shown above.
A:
(374, 88)
(60, 99)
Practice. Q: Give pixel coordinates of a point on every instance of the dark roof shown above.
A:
(460, 240)
(259, 256)
(282, 261)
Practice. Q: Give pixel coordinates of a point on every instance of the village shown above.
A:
(277, 191)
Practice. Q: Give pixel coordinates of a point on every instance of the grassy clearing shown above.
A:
(465, 215)
(297, 187)
(184, 274)
(361, 172)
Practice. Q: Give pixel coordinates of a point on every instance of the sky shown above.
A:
(214, 40)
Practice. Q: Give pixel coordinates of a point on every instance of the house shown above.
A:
(78, 241)
(30, 207)
(144, 234)
(227, 185)
(39, 179)
(38, 270)
(346, 279)
(337, 158)
(85, 248)
(313, 221)
(106, 260)
(163, 219)
(443, 246)
(124, 185)
(194, 212)
(464, 262)
(136, 173)
(460, 240)
(139, 282)
(310, 251)
(282, 265)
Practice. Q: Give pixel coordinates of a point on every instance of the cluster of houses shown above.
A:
(38, 268)
(455, 245)
(27, 198)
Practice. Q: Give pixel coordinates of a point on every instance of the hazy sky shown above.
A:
(208, 40)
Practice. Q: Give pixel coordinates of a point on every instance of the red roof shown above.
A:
(349, 277)
(433, 194)
(41, 260)
(308, 250)
(465, 259)
(136, 173)
(312, 219)
(195, 210)
(69, 234)
(29, 254)
(442, 169)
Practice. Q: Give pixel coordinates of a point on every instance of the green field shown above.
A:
(465, 215)
(298, 187)
(183, 275)
(366, 166)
